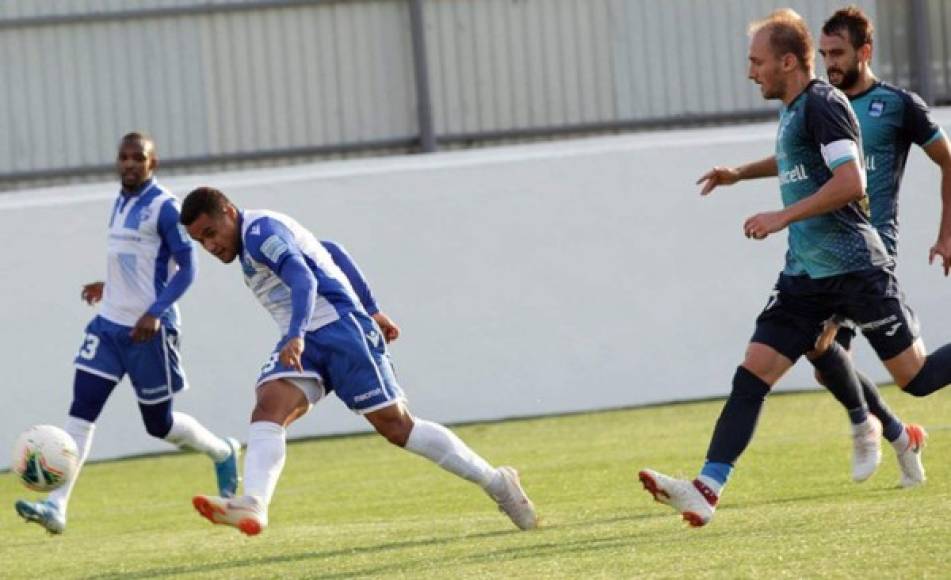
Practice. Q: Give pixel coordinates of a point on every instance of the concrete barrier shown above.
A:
(528, 280)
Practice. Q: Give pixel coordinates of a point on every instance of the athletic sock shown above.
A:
(715, 475)
(892, 426)
(188, 433)
(900, 443)
(737, 422)
(934, 375)
(264, 460)
(445, 449)
(841, 380)
(81, 431)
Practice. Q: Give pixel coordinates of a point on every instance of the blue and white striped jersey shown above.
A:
(143, 236)
(268, 239)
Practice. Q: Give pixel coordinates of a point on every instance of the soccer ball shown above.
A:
(45, 457)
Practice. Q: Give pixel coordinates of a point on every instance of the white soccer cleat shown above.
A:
(909, 459)
(244, 513)
(866, 449)
(513, 501)
(695, 501)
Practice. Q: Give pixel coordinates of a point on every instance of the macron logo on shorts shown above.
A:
(368, 395)
(273, 247)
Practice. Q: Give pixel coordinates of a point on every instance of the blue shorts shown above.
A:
(154, 367)
(347, 356)
(799, 306)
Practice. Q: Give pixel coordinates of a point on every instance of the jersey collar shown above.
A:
(139, 190)
(871, 88)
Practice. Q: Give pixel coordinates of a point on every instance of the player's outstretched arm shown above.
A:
(846, 185)
(729, 175)
(92, 292)
(360, 285)
(940, 152)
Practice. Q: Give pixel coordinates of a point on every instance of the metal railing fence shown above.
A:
(228, 83)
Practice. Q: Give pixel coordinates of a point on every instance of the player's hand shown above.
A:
(92, 292)
(291, 353)
(718, 176)
(390, 330)
(941, 248)
(145, 328)
(762, 224)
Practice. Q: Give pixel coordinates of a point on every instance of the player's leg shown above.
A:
(98, 369)
(831, 360)
(785, 330)
(156, 374)
(185, 432)
(892, 330)
(906, 439)
(363, 377)
(90, 393)
(280, 402)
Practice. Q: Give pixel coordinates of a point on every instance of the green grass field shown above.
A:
(354, 507)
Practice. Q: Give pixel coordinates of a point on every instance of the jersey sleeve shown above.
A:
(918, 124)
(178, 241)
(834, 128)
(350, 269)
(172, 232)
(271, 243)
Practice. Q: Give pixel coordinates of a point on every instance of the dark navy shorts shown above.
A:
(154, 367)
(799, 306)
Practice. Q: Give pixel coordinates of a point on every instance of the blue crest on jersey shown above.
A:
(876, 108)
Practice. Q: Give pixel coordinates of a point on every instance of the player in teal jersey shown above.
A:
(891, 120)
(836, 264)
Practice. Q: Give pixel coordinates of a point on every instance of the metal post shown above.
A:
(921, 49)
(424, 107)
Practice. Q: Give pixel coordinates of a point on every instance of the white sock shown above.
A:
(188, 433)
(443, 447)
(81, 431)
(264, 460)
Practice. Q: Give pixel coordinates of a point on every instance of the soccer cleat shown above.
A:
(244, 513)
(866, 449)
(226, 470)
(909, 459)
(43, 513)
(694, 500)
(513, 501)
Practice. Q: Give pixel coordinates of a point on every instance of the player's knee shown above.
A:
(158, 425)
(396, 430)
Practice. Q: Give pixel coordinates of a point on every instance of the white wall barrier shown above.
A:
(528, 280)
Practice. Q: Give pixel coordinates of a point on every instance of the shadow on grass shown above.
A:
(514, 553)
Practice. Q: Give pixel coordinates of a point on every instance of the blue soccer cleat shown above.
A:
(226, 470)
(43, 513)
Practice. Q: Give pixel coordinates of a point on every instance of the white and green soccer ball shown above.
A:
(45, 457)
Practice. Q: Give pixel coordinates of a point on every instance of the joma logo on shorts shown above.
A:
(368, 395)
(879, 323)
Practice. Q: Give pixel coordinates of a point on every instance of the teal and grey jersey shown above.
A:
(818, 132)
(891, 120)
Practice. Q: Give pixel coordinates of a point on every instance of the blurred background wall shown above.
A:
(545, 278)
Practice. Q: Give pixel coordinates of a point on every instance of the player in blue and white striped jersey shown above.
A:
(328, 342)
(150, 264)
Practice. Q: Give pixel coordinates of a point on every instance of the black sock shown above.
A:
(840, 379)
(737, 421)
(891, 424)
(934, 375)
